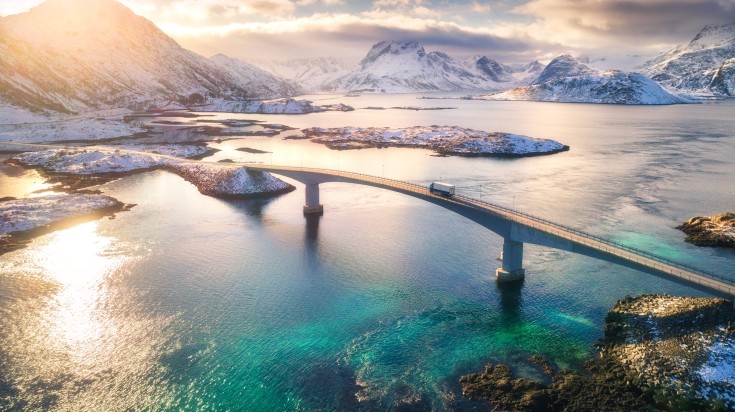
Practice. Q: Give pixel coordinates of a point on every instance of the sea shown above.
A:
(188, 302)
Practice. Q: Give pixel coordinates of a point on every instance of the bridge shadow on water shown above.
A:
(511, 301)
(311, 239)
(254, 208)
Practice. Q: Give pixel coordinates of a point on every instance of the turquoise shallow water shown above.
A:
(189, 302)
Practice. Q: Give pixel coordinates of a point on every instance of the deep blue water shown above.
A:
(190, 302)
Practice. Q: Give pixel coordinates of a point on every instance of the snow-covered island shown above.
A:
(22, 219)
(279, 106)
(445, 140)
(215, 179)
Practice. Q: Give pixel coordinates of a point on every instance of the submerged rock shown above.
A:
(717, 230)
(659, 352)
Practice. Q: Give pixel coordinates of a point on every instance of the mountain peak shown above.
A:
(701, 66)
(390, 47)
(714, 36)
(83, 24)
(563, 66)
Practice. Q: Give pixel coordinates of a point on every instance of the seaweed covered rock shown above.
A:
(717, 230)
(659, 352)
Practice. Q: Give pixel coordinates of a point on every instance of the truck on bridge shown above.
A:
(441, 189)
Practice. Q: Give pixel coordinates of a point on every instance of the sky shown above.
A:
(510, 31)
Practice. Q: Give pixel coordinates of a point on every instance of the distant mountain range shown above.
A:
(569, 80)
(76, 55)
(406, 67)
(311, 74)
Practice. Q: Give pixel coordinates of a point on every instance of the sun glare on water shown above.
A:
(77, 260)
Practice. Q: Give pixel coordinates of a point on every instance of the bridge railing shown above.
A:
(594, 238)
(514, 215)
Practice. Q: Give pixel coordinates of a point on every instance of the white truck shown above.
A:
(440, 188)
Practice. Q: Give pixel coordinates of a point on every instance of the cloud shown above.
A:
(481, 8)
(346, 35)
(590, 23)
(270, 7)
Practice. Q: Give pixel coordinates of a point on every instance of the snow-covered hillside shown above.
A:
(311, 74)
(78, 55)
(569, 80)
(399, 67)
(257, 81)
(705, 66)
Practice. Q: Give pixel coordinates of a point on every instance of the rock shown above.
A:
(633, 371)
(723, 218)
(711, 231)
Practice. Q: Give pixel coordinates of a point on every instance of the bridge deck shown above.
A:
(656, 263)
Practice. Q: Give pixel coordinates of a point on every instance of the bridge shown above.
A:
(515, 227)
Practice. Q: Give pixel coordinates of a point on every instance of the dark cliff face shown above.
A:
(493, 70)
(723, 82)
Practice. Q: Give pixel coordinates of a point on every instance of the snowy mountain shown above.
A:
(704, 66)
(79, 55)
(310, 74)
(257, 81)
(568, 80)
(406, 67)
(562, 67)
(493, 70)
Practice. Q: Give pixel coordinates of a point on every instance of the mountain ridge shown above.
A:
(71, 56)
(405, 66)
(701, 67)
(569, 80)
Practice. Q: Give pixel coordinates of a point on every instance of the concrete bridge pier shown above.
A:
(312, 205)
(512, 269)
